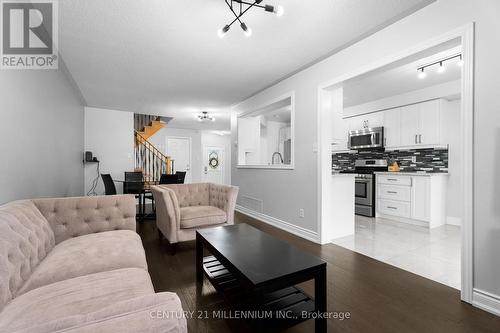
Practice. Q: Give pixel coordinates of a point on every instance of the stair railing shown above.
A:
(151, 161)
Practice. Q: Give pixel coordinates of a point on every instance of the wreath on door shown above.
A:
(213, 160)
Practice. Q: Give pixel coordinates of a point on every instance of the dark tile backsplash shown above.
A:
(430, 160)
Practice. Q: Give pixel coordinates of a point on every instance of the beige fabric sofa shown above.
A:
(183, 208)
(77, 265)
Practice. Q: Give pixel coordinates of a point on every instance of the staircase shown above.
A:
(147, 125)
(148, 159)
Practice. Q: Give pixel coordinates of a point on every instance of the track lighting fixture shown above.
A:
(441, 69)
(422, 74)
(240, 7)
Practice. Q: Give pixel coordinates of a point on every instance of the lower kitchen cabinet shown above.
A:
(419, 199)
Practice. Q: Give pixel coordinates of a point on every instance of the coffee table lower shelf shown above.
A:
(272, 311)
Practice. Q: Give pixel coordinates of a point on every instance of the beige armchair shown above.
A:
(183, 208)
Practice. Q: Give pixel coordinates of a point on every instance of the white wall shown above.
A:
(41, 135)
(283, 192)
(109, 135)
(159, 139)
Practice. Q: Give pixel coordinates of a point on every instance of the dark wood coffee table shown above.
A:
(257, 273)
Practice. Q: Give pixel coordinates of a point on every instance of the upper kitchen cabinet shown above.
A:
(409, 125)
(392, 128)
(420, 124)
(430, 117)
(370, 120)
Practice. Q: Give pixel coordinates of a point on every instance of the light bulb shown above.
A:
(279, 11)
(441, 68)
(422, 74)
(246, 30)
(222, 32)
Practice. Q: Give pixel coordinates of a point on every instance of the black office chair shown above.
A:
(109, 184)
(182, 176)
(134, 184)
(169, 179)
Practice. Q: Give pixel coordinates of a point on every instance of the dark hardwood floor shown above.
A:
(379, 297)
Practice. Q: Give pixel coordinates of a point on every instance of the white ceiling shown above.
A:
(402, 76)
(164, 57)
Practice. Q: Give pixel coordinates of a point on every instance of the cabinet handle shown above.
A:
(392, 192)
(416, 138)
(420, 138)
(390, 207)
(392, 179)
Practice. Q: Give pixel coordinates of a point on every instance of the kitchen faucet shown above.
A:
(279, 155)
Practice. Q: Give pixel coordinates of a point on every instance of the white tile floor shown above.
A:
(434, 254)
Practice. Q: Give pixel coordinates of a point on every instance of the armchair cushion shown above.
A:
(77, 296)
(198, 216)
(89, 254)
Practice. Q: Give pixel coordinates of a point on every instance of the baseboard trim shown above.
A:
(283, 225)
(486, 301)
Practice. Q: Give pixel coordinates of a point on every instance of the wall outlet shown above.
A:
(301, 212)
(414, 159)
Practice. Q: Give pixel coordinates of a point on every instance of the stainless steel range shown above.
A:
(365, 185)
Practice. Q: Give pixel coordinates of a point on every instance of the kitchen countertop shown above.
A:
(336, 173)
(424, 174)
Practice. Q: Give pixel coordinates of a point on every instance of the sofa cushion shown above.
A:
(198, 216)
(25, 239)
(94, 253)
(160, 312)
(77, 296)
(73, 217)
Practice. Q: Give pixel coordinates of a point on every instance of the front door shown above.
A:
(213, 164)
(179, 149)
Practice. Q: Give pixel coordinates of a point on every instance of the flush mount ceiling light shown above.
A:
(204, 116)
(441, 69)
(239, 8)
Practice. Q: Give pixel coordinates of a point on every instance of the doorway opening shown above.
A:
(421, 192)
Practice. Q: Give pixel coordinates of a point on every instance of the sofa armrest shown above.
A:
(224, 197)
(160, 312)
(73, 217)
(168, 215)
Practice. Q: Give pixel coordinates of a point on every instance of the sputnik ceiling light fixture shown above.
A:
(441, 69)
(205, 116)
(239, 8)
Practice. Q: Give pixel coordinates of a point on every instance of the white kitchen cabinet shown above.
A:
(419, 199)
(429, 125)
(369, 120)
(392, 127)
(420, 124)
(409, 125)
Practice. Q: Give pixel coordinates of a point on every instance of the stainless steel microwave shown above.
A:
(367, 138)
